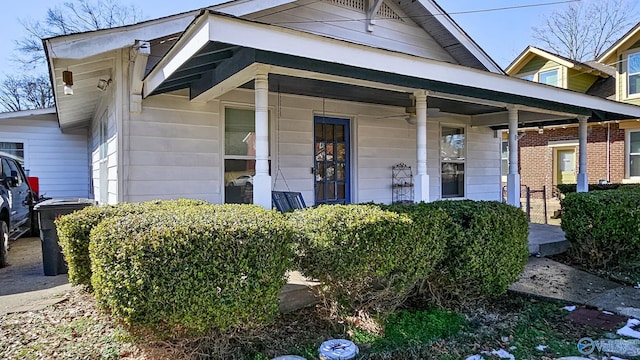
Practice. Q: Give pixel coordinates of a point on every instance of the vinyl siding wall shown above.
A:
(58, 159)
(176, 148)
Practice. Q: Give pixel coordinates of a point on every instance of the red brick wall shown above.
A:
(536, 156)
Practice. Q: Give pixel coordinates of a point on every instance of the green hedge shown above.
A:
(486, 252)
(603, 227)
(367, 258)
(74, 229)
(571, 188)
(203, 267)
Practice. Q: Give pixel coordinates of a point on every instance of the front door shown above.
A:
(331, 162)
(566, 163)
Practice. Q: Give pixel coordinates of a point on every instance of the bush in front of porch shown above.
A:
(485, 249)
(603, 228)
(74, 231)
(203, 267)
(368, 259)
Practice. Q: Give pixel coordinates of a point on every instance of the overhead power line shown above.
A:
(435, 14)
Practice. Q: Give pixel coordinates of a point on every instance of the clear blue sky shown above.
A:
(503, 34)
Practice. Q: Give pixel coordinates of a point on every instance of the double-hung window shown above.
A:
(13, 149)
(634, 153)
(239, 155)
(633, 74)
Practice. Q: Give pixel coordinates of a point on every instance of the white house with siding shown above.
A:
(322, 97)
(58, 159)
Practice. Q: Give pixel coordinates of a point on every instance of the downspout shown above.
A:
(608, 152)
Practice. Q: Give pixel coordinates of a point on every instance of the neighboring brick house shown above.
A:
(548, 155)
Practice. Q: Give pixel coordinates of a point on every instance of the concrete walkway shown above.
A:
(546, 240)
(550, 279)
(23, 285)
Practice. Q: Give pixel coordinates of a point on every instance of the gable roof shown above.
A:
(531, 52)
(628, 39)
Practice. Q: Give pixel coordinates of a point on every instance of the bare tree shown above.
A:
(69, 18)
(11, 94)
(37, 92)
(583, 30)
(34, 92)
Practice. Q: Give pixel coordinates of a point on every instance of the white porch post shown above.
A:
(583, 179)
(513, 178)
(422, 179)
(262, 179)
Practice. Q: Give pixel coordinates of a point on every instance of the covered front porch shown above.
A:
(219, 54)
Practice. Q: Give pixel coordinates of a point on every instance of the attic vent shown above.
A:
(387, 12)
(384, 12)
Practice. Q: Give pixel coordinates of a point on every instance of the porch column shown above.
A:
(513, 178)
(262, 179)
(583, 179)
(421, 185)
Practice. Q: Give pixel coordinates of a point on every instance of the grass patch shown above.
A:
(405, 329)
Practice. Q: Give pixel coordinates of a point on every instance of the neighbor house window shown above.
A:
(239, 155)
(452, 159)
(504, 157)
(549, 77)
(13, 150)
(527, 77)
(634, 153)
(633, 73)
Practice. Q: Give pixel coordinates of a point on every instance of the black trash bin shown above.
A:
(48, 211)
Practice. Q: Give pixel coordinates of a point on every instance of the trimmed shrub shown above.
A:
(486, 252)
(74, 229)
(571, 188)
(367, 258)
(603, 228)
(204, 267)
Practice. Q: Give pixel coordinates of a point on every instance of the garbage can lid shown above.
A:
(289, 357)
(338, 349)
(73, 203)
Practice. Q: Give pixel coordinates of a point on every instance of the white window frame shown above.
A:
(627, 74)
(627, 154)
(503, 178)
(558, 74)
(25, 146)
(465, 187)
(103, 135)
(222, 151)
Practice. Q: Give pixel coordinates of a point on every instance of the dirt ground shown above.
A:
(23, 285)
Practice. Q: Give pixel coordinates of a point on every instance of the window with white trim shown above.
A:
(452, 160)
(549, 77)
(634, 153)
(504, 158)
(239, 155)
(13, 150)
(633, 74)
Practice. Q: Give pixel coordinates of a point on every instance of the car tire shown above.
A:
(4, 243)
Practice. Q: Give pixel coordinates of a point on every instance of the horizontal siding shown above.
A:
(579, 81)
(178, 152)
(174, 150)
(348, 24)
(483, 164)
(59, 160)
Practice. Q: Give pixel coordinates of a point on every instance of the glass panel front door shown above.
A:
(566, 160)
(331, 162)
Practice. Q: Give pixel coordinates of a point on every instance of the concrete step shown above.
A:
(298, 293)
(547, 240)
